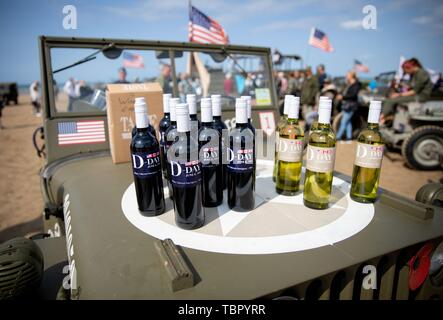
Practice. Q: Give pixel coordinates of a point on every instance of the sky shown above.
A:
(404, 27)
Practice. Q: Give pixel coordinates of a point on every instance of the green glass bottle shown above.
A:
(290, 152)
(368, 158)
(320, 158)
(281, 123)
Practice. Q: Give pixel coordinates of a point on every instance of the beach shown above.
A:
(20, 199)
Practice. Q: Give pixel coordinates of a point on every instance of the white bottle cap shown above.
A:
(172, 105)
(294, 108)
(374, 111)
(324, 110)
(206, 110)
(248, 105)
(166, 97)
(241, 112)
(192, 103)
(183, 122)
(216, 105)
(141, 113)
(288, 98)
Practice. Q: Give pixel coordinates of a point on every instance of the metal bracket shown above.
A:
(178, 271)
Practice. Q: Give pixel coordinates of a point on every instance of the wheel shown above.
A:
(431, 193)
(357, 124)
(422, 149)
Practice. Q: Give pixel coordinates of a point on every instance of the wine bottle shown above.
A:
(186, 174)
(146, 165)
(210, 157)
(221, 127)
(368, 158)
(320, 159)
(249, 109)
(241, 169)
(192, 104)
(171, 136)
(280, 125)
(164, 124)
(290, 152)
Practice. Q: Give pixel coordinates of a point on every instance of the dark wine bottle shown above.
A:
(146, 165)
(221, 127)
(210, 157)
(186, 175)
(249, 111)
(164, 124)
(170, 136)
(192, 104)
(241, 167)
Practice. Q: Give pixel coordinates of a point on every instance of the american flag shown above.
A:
(132, 60)
(319, 40)
(203, 29)
(81, 132)
(360, 67)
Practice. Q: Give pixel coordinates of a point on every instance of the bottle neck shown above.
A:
(373, 126)
(173, 123)
(193, 117)
(217, 118)
(241, 125)
(207, 124)
(166, 115)
(146, 129)
(292, 121)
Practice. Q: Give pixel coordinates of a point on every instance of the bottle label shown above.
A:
(290, 150)
(241, 160)
(146, 164)
(185, 175)
(210, 157)
(368, 156)
(320, 159)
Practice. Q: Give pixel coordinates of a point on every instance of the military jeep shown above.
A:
(96, 245)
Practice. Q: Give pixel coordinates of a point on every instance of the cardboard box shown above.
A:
(120, 111)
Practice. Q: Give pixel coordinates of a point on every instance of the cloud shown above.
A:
(433, 19)
(303, 23)
(351, 24)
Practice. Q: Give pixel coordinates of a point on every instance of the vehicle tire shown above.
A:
(422, 149)
(357, 124)
(431, 193)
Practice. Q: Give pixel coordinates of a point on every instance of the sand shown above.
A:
(21, 203)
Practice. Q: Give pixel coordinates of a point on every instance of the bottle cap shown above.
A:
(248, 105)
(288, 98)
(172, 105)
(166, 97)
(183, 121)
(192, 103)
(294, 108)
(241, 112)
(141, 113)
(216, 105)
(324, 110)
(374, 111)
(206, 110)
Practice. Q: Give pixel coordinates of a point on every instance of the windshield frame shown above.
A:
(48, 43)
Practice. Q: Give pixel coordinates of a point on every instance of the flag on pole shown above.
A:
(360, 67)
(204, 29)
(319, 40)
(132, 60)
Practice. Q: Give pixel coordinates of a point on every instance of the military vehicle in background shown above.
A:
(9, 92)
(97, 246)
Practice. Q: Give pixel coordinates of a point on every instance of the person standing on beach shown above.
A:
(1, 109)
(69, 89)
(35, 98)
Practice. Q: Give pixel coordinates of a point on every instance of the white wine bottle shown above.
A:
(281, 123)
(368, 158)
(320, 158)
(290, 152)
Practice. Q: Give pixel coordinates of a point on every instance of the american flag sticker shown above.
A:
(81, 132)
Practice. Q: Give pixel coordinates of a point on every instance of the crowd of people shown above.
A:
(416, 85)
